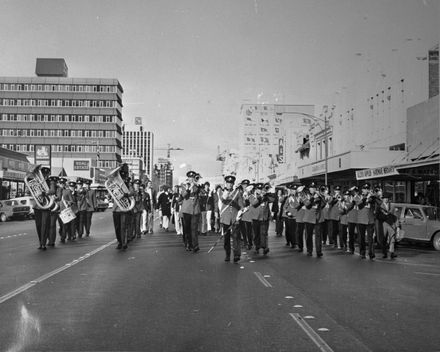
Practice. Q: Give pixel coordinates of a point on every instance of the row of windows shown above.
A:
(59, 103)
(58, 88)
(57, 118)
(56, 133)
(29, 148)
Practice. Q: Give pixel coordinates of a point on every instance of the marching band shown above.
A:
(240, 213)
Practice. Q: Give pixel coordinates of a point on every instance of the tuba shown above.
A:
(116, 187)
(38, 187)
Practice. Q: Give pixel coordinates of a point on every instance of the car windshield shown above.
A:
(433, 213)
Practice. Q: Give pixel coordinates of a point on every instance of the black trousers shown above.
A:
(42, 225)
(300, 234)
(53, 217)
(366, 235)
(290, 231)
(381, 239)
(190, 230)
(334, 232)
(88, 223)
(343, 232)
(69, 229)
(246, 232)
(120, 224)
(260, 230)
(317, 229)
(136, 224)
(326, 231)
(231, 231)
(81, 221)
(351, 235)
(279, 226)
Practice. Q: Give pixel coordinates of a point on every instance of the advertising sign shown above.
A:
(42, 154)
(81, 165)
(376, 172)
(281, 150)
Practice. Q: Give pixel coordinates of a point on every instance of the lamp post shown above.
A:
(325, 120)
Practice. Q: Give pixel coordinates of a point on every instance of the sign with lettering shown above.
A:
(42, 155)
(81, 165)
(377, 172)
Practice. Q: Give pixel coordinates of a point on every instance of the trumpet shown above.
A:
(38, 187)
(117, 189)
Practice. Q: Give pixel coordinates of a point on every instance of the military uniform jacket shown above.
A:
(81, 199)
(290, 208)
(91, 200)
(261, 204)
(342, 208)
(352, 212)
(232, 202)
(365, 212)
(139, 204)
(334, 213)
(314, 210)
(190, 204)
(69, 198)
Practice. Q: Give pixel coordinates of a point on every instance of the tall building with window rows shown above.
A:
(79, 118)
(138, 143)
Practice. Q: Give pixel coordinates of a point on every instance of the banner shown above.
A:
(377, 172)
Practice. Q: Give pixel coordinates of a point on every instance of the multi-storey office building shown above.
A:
(79, 118)
(138, 143)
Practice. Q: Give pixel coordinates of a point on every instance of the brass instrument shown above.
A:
(117, 188)
(38, 187)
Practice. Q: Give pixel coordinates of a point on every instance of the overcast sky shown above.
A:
(186, 66)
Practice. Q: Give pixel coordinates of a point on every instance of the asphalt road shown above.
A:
(88, 296)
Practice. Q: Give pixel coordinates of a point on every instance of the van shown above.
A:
(28, 202)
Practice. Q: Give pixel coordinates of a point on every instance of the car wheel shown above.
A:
(436, 241)
(3, 217)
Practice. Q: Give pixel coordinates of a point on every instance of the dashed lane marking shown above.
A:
(262, 279)
(317, 340)
(430, 274)
(44, 277)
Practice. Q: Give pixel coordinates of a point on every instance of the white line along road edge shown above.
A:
(318, 341)
(40, 279)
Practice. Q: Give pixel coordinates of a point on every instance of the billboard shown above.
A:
(81, 165)
(42, 155)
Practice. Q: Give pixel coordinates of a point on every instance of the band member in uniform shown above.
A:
(137, 210)
(61, 188)
(342, 206)
(246, 217)
(42, 216)
(82, 207)
(56, 191)
(216, 199)
(289, 213)
(146, 208)
(277, 212)
(389, 226)
(300, 225)
(352, 214)
(69, 200)
(232, 203)
(314, 219)
(91, 206)
(121, 218)
(366, 222)
(191, 213)
(260, 225)
(333, 215)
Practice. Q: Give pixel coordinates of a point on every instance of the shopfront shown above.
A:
(13, 169)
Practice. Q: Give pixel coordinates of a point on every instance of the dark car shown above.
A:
(418, 223)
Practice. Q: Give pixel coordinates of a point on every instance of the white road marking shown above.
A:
(297, 306)
(323, 329)
(309, 317)
(317, 340)
(431, 274)
(44, 277)
(289, 297)
(262, 279)
(266, 275)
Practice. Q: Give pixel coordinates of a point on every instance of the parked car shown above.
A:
(27, 201)
(5, 210)
(418, 222)
(12, 209)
